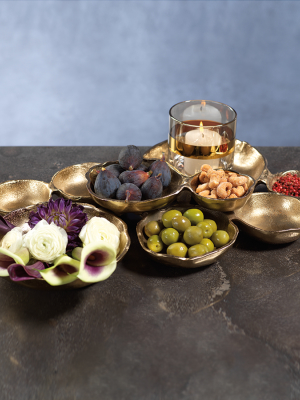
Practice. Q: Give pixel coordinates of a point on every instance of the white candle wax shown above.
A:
(200, 137)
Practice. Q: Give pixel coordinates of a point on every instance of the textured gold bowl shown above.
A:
(121, 206)
(70, 182)
(247, 160)
(222, 222)
(22, 193)
(270, 217)
(269, 179)
(224, 205)
(20, 216)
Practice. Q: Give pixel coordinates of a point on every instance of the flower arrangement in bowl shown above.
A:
(61, 243)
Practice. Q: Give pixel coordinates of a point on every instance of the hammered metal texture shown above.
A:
(22, 193)
(271, 217)
(71, 182)
(121, 206)
(224, 205)
(222, 222)
(247, 160)
(20, 216)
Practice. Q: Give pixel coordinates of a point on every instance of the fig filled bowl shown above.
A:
(121, 206)
(221, 220)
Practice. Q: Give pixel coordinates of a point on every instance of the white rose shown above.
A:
(46, 241)
(13, 240)
(99, 229)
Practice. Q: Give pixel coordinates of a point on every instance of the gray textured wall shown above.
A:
(107, 72)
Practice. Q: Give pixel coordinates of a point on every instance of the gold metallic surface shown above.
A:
(224, 205)
(22, 193)
(222, 222)
(20, 216)
(71, 182)
(247, 160)
(269, 179)
(177, 185)
(270, 217)
(121, 206)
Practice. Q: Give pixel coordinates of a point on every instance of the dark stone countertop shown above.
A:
(227, 331)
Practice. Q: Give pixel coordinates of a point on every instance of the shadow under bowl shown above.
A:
(223, 205)
(22, 193)
(21, 216)
(270, 217)
(121, 206)
(71, 182)
(222, 221)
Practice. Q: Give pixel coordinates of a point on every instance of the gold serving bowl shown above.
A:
(269, 179)
(70, 182)
(21, 216)
(224, 205)
(222, 222)
(22, 193)
(270, 217)
(247, 160)
(121, 206)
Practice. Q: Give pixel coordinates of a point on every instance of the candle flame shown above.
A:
(201, 126)
(203, 103)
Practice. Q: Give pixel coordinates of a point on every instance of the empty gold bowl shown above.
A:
(22, 193)
(70, 182)
(20, 216)
(270, 217)
(121, 206)
(222, 222)
(224, 205)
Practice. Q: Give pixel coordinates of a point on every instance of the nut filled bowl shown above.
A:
(222, 222)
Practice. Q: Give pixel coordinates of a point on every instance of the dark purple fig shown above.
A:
(130, 157)
(106, 184)
(161, 167)
(152, 188)
(116, 169)
(129, 192)
(136, 177)
(143, 167)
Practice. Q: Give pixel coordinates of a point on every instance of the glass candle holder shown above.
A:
(201, 132)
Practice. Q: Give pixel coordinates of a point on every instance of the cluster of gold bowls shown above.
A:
(270, 217)
(21, 216)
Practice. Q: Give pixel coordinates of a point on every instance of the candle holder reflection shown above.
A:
(201, 132)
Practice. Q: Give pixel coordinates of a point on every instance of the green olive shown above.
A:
(153, 228)
(177, 249)
(193, 235)
(206, 228)
(220, 238)
(208, 243)
(180, 223)
(169, 236)
(194, 215)
(167, 217)
(212, 223)
(155, 244)
(197, 250)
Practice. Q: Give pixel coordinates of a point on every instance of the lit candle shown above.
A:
(202, 137)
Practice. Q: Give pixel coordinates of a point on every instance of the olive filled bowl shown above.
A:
(222, 221)
(21, 216)
(121, 206)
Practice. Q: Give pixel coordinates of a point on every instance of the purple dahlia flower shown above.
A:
(63, 213)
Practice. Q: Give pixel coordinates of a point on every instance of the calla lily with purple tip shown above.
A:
(64, 270)
(97, 261)
(18, 272)
(7, 258)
